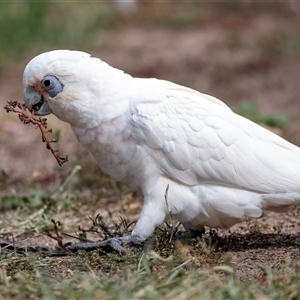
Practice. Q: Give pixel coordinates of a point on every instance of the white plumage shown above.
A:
(152, 133)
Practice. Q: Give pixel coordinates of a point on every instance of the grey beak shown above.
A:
(35, 101)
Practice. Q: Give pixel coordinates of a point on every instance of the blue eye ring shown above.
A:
(52, 85)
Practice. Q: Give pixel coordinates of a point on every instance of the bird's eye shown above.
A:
(47, 82)
(52, 85)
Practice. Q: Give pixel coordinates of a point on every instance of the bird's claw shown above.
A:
(115, 244)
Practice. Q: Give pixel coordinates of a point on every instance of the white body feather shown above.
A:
(152, 133)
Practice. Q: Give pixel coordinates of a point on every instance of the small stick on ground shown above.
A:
(58, 237)
(170, 213)
(41, 123)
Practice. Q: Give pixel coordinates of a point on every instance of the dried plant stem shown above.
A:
(170, 213)
(41, 123)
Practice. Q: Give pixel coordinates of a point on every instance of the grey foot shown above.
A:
(115, 244)
(190, 233)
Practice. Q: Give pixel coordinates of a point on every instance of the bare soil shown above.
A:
(253, 56)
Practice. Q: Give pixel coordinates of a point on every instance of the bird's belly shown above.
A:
(211, 205)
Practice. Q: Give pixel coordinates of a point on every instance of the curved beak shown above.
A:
(34, 101)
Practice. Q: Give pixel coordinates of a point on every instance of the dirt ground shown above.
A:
(253, 56)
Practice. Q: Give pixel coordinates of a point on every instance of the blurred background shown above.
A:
(243, 52)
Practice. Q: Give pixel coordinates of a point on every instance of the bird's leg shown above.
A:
(152, 215)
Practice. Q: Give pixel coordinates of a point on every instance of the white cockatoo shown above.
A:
(153, 133)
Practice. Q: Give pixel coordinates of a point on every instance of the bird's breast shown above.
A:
(115, 152)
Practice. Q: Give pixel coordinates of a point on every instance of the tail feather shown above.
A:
(229, 206)
(280, 202)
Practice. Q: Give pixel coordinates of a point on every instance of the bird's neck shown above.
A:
(95, 103)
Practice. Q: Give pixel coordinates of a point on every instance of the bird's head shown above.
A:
(46, 77)
(70, 84)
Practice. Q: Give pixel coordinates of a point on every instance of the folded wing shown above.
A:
(195, 138)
